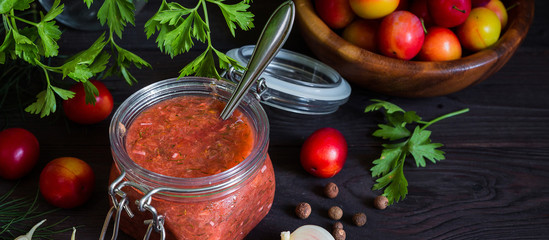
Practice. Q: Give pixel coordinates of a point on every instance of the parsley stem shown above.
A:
(13, 22)
(443, 117)
(47, 75)
(207, 20)
(111, 40)
(6, 24)
(48, 68)
(23, 20)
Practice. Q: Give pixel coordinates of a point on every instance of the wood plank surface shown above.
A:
(494, 183)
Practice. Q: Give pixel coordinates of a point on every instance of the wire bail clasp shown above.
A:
(116, 209)
(115, 192)
(235, 76)
(157, 221)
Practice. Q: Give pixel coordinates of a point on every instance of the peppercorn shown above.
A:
(303, 210)
(381, 202)
(339, 234)
(338, 225)
(331, 190)
(335, 213)
(359, 219)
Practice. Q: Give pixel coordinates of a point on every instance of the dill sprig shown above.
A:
(16, 214)
(16, 77)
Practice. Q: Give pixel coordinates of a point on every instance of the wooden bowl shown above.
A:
(411, 78)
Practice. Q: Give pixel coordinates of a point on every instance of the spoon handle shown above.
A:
(274, 35)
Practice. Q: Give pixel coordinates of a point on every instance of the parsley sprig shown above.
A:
(31, 44)
(177, 29)
(37, 41)
(176, 26)
(117, 14)
(389, 167)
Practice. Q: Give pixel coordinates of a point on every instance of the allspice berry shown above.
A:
(381, 202)
(335, 213)
(303, 210)
(331, 190)
(338, 225)
(339, 234)
(359, 219)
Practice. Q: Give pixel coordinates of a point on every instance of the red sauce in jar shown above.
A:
(183, 137)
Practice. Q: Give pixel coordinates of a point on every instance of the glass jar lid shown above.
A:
(295, 82)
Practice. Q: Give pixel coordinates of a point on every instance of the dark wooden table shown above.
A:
(494, 183)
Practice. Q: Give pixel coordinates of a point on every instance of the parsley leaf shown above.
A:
(395, 183)
(200, 65)
(49, 33)
(55, 10)
(91, 92)
(116, 13)
(391, 132)
(19, 5)
(397, 119)
(389, 107)
(389, 167)
(24, 46)
(88, 3)
(387, 161)
(45, 100)
(204, 65)
(225, 61)
(420, 147)
(78, 66)
(236, 13)
(124, 61)
(44, 105)
(177, 26)
(158, 23)
(62, 93)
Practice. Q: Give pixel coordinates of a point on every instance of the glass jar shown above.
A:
(227, 205)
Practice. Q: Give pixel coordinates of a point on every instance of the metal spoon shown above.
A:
(274, 35)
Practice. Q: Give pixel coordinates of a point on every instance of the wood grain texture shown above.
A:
(492, 185)
(411, 78)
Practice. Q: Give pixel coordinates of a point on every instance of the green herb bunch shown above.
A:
(175, 25)
(389, 167)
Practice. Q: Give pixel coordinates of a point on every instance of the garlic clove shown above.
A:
(307, 232)
(73, 236)
(285, 235)
(28, 236)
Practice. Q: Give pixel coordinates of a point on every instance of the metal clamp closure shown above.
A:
(235, 75)
(120, 201)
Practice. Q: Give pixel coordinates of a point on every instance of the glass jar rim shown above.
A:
(187, 187)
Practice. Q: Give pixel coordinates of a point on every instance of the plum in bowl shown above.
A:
(412, 78)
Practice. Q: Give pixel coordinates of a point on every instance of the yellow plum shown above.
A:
(481, 29)
(373, 9)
